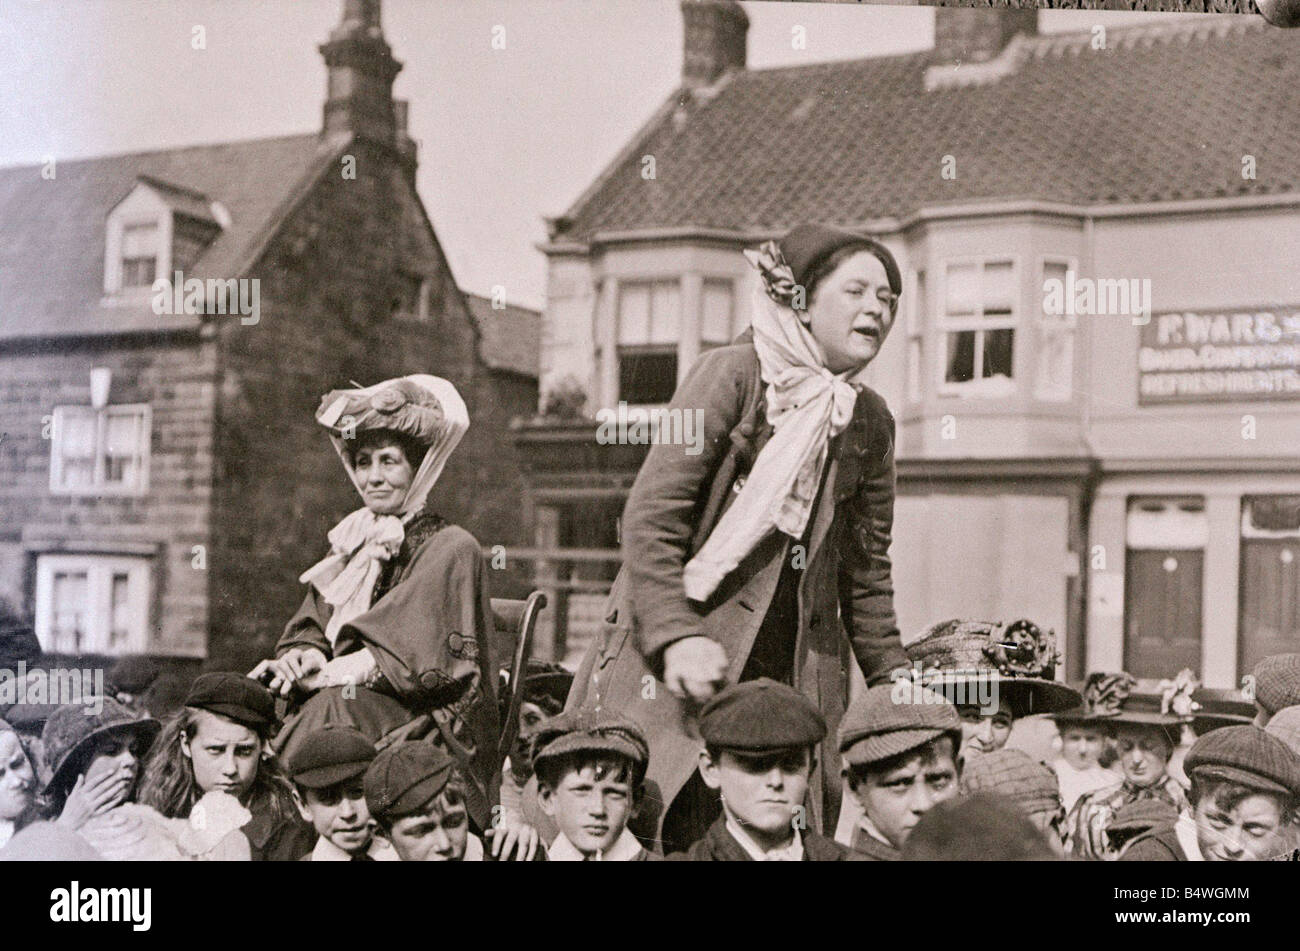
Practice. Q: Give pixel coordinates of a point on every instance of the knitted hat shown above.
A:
(758, 717)
(234, 696)
(329, 756)
(405, 776)
(1017, 776)
(71, 730)
(1277, 682)
(590, 731)
(1247, 755)
(1285, 725)
(1018, 658)
(891, 719)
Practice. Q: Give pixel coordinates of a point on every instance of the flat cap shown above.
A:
(1285, 725)
(591, 731)
(234, 696)
(1277, 682)
(1247, 755)
(329, 756)
(759, 717)
(405, 776)
(890, 719)
(1013, 774)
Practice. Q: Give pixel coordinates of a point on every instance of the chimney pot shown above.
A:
(978, 34)
(715, 36)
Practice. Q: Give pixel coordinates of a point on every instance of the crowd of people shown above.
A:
(712, 718)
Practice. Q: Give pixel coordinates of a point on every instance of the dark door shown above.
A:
(1162, 606)
(1270, 599)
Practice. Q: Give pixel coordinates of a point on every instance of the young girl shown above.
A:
(220, 741)
(17, 783)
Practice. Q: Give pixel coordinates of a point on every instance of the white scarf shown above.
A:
(362, 542)
(807, 406)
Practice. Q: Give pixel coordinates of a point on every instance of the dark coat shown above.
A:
(719, 846)
(1158, 845)
(845, 580)
(867, 846)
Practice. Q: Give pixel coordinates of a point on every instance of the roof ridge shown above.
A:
(1128, 36)
(164, 151)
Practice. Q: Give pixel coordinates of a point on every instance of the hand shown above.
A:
(289, 670)
(514, 835)
(695, 667)
(95, 792)
(355, 669)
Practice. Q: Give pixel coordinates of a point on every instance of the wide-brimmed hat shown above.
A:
(1018, 657)
(1219, 708)
(1110, 698)
(72, 729)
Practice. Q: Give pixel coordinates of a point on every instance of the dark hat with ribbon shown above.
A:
(329, 756)
(405, 776)
(71, 730)
(233, 696)
(1219, 708)
(1018, 657)
(759, 717)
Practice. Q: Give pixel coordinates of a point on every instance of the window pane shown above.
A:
(68, 609)
(715, 316)
(647, 377)
(634, 314)
(119, 632)
(140, 241)
(962, 289)
(665, 312)
(999, 289)
(1055, 362)
(74, 443)
(997, 352)
(961, 356)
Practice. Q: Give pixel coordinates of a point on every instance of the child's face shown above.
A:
(984, 732)
(896, 800)
(763, 793)
(1080, 746)
(438, 833)
(1143, 754)
(116, 754)
(225, 755)
(1247, 833)
(339, 813)
(590, 806)
(17, 779)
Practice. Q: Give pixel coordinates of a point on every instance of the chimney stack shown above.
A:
(715, 38)
(359, 99)
(978, 34)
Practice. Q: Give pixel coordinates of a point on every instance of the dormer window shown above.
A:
(139, 254)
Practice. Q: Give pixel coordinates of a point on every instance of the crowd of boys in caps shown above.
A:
(928, 774)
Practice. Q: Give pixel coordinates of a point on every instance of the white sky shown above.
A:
(506, 135)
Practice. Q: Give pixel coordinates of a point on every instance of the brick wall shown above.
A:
(174, 375)
(325, 320)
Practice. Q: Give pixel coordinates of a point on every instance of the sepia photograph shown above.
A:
(644, 430)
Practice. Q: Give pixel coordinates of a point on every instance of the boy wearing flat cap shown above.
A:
(1245, 784)
(327, 769)
(759, 741)
(1277, 685)
(901, 760)
(418, 799)
(1026, 783)
(589, 767)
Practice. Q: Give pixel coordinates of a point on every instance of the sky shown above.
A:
(507, 135)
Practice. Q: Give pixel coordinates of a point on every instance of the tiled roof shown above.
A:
(52, 232)
(511, 336)
(1166, 112)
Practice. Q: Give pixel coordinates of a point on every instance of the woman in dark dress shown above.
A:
(758, 555)
(396, 621)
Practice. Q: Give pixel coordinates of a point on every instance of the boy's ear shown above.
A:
(546, 799)
(709, 770)
(301, 803)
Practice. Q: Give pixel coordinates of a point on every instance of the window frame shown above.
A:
(1070, 321)
(100, 570)
(944, 325)
(675, 346)
(730, 281)
(915, 332)
(98, 485)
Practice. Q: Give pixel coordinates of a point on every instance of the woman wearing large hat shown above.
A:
(396, 621)
(994, 672)
(1147, 728)
(738, 555)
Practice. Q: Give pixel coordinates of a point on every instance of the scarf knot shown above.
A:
(360, 545)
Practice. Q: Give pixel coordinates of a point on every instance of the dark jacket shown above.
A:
(674, 504)
(1158, 845)
(272, 838)
(868, 847)
(718, 845)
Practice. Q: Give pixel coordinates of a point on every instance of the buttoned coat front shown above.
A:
(844, 586)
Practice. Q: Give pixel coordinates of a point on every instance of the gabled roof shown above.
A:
(52, 251)
(1166, 112)
(510, 338)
